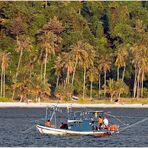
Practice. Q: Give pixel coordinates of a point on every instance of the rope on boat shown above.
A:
(28, 129)
(40, 119)
(133, 124)
(117, 119)
(131, 117)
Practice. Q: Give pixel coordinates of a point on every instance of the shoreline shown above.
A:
(75, 105)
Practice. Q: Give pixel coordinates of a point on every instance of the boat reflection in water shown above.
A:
(78, 123)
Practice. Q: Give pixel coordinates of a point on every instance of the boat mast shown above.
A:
(46, 115)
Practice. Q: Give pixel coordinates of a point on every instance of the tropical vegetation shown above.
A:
(93, 49)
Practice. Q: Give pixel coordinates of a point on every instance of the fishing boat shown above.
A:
(77, 123)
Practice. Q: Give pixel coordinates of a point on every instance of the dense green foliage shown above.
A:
(78, 46)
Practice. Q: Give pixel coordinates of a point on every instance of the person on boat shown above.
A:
(48, 123)
(63, 126)
(100, 122)
(113, 127)
(105, 122)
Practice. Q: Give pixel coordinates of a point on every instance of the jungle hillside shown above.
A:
(93, 50)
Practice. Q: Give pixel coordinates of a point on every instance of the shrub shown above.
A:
(3, 99)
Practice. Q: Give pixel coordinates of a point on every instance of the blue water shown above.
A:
(13, 121)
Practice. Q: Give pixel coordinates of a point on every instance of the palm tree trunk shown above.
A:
(57, 83)
(1, 80)
(135, 83)
(21, 98)
(84, 83)
(117, 73)
(74, 70)
(111, 98)
(123, 72)
(67, 77)
(4, 83)
(99, 85)
(19, 62)
(142, 84)
(104, 83)
(39, 99)
(91, 90)
(21, 53)
(45, 68)
(138, 84)
(41, 71)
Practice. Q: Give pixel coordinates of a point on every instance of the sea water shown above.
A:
(14, 121)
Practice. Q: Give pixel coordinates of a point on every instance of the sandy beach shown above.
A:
(38, 105)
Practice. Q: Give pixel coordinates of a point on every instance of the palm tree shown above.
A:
(17, 27)
(92, 74)
(87, 61)
(23, 43)
(140, 61)
(68, 65)
(111, 88)
(38, 88)
(58, 68)
(54, 26)
(41, 60)
(121, 59)
(105, 64)
(21, 88)
(135, 58)
(4, 59)
(77, 52)
(121, 88)
(142, 64)
(48, 43)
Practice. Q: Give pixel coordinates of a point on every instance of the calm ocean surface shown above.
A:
(13, 121)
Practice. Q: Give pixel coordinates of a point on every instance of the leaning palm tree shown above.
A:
(77, 52)
(4, 59)
(105, 65)
(23, 43)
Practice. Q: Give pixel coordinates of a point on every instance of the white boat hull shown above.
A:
(55, 131)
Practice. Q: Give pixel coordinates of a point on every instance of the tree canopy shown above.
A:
(84, 46)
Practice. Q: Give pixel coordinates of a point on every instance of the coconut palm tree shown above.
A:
(140, 61)
(87, 61)
(23, 43)
(121, 59)
(58, 68)
(111, 88)
(105, 65)
(21, 88)
(93, 75)
(38, 88)
(68, 65)
(48, 43)
(77, 52)
(4, 59)
(54, 25)
(142, 66)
